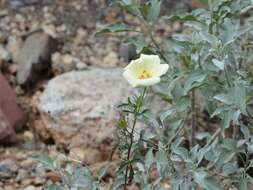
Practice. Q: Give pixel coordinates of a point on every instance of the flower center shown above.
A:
(144, 75)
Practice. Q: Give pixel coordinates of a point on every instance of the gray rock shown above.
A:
(4, 54)
(127, 52)
(35, 57)
(8, 168)
(78, 108)
(15, 4)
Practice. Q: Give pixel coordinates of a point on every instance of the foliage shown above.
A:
(204, 136)
(73, 175)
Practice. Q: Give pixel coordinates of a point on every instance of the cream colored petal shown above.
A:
(134, 64)
(162, 69)
(128, 75)
(150, 58)
(148, 82)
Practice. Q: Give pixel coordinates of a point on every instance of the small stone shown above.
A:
(30, 187)
(3, 12)
(61, 28)
(28, 135)
(63, 63)
(22, 174)
(88, 156)
(176, 27)
(4, 54)
(9, 187)
(12, 69)
(50, 30)
(53, 177)
(8, 168)
(111, 59)
(19, 90)
(68, 59)
(81, 65)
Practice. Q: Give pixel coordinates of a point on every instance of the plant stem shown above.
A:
(167, 146)
(129, 151)
(234, 131)
(214, 136)
(193, 120)
(150, 34)
(136, 114)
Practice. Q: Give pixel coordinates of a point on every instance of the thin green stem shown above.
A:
(136, 114)
(193, 120)
(150, 34)
(226, 75)
(167, 146)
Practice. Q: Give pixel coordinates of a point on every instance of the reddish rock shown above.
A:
(7, 133)
(14, 116)
(199, 4)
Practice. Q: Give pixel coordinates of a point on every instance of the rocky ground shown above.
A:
(66, 82)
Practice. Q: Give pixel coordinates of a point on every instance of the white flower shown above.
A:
(145, 71)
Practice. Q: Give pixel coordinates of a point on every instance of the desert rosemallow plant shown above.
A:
(142, 72)
(203, 137)
(145, 71)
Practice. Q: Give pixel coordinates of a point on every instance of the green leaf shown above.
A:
(131, 6)
(103, 171)
(207, 182)
(183, 17)
(162, 163)
(181, 152)
(220, 110)
(212, 183)
(83, 178)
(229, 144)
(211, 39)
(122, 123)
(243, 184)
(235, 96)
(46, 161)
(204, 1)
(54, 187)
(177, 45)
(149, 158)
(138, 41)
(120, 180)
(195, 79)
(151, 10)
(118, 27)
(219, 64)
(164, 115)
(202, 135)
(225, 157)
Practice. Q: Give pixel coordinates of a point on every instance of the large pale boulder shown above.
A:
(79, 108)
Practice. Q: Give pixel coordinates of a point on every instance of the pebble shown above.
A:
(81, 65)
(4, 54)
(22, 174)
(111, 59)
(30, 187)
(88, 156)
